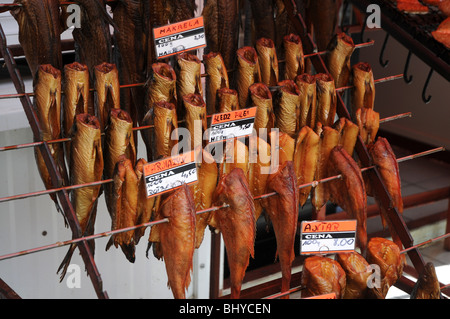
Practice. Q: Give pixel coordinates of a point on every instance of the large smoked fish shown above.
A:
(363, 92)
(287, 103)
(47, 103)
(306, 84)
(236, 223)
(261, 98)
(349, 132)
(39, 32)
(295, 62)
(248, 73)
(227, 100)
(187, 69)
(236, 155)
(268, 61)
(427, 285)
(175, 240)
(326, 99)
(349, 191)
(322, 275)
(107, 91)
(368, 122)
(86, 163)
(357, 274)
(340, 51)
(195, 110)
(282, 210)
(123, 205)
(217, 78)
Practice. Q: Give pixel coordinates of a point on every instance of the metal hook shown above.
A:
(427, 99)
(384, 63)
(408, 79)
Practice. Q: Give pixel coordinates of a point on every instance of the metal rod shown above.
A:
(281, 294)
(382, 80)
(429, 241)
(357, 46)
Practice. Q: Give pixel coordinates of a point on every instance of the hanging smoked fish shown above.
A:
(349, 133)
(323, 14)
(217, 78)
(248, 73)
(427, 285)
(187, 69)
(236, 155)
(227, 100)
(268, 61)
(295, 62)
(306, 84)
(195, 110)
(263, 19)
(287, 107)
(107, 91)
(338, 57)
(261, 98)
(357, 274)
(326, 99)
(368, 122)
(363, 92)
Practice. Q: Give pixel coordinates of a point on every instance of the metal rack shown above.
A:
(82, 242)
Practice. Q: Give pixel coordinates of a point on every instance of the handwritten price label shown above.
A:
(170, 173)
(327, 237)
(232, 124)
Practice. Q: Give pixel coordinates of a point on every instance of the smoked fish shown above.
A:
(323, 15)
(195, 110)
(187, 69)
(306, 158)
(236, 155)
(357, 274)
(174, 241)
(368, 122)
(294, 57)
(47, 104)
(217, 78)
(349, 191)
(107, 91)
(226, 100)
(349, 133)
(322, 275)
(306, 84)
(282, 211)
(180, 10)
(363, 92)
(282, 149)
(287, 103)
(236, 223)
(123, 206)
(39, 32)
(340, 50)
(263, 19)
(442, 33)
(427, 285)
(261, 98)
(248, 73)
(268, 61)
(326, 99)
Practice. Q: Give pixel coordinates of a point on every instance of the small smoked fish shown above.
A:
(236, 223)
(261, 98)
(217, 78)
(306, 84)
(39, 32)
(268, 61)
(47, 103)
(349, 191)
(227, 100)
(427, 286)
(207, 177)
(195, 110)
(248, 73)
(326, 99)
(76, 97)
(286, 104)
(188, 74)
(86, 163)
(363, 92)
(339, 53)
(322, 275)
(387, 256)
(295, 62)
(174, 241)
(368, 122)
(107, 91)
(349, 132)
(282, 210)
(123, 206)
(306, 158)
(357, 274)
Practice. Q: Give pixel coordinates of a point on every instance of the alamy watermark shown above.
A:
(373, 16)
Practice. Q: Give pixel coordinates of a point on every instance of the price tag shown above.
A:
(179, 37)
(327, 237)
(170, 173)
(232, 124)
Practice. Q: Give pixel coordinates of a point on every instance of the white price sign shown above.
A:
(232, 124)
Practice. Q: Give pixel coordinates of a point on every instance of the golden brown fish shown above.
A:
(349, 191)
(236, 155)
(427, 285)
(47, 103)
(123, 206)
(323, 14)
(207, 177)
(340, 51)
(195, 110)
(39, 32)
(236, 223)
(86, 163)
(261, 98)
(227, 100)
(363, 92)
(295, 62)
(248, 73)
(282, 210)
(161, 85)
(217, 78)
(282, 148)
(180, 10)
(187, 69)
(287, 107)
(322, 275)
(386, 255)
(306, 84)
(357, 274)
(326, 99)
(107, 91)
(349, 132)
(174, 241)
(268, 61)
(306, 158)
(368, 122)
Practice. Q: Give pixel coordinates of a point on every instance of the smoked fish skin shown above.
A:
(263, 19)
(357, 273)
(268, 61)
(340, 50)
(306, 113)
(236, 223)
(286, 102)
(295, 63)
(187, 69)
(248, 73)
(176, 239)
(363, 92)
(227, 100)
(326, 99)
(368, 122)
(427, 286)
(261, 98)
(217, 78)
(323, 15)
(196, 120)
